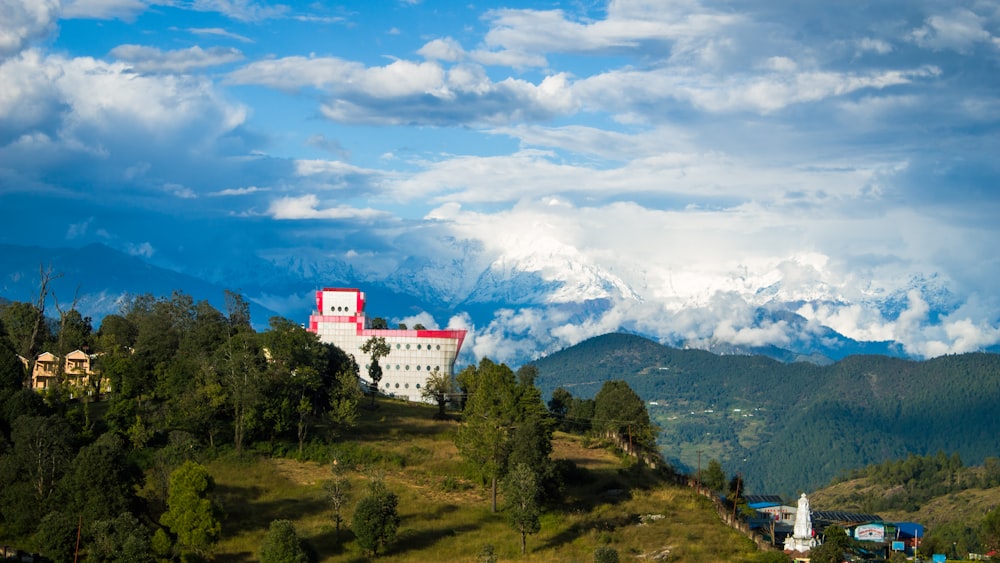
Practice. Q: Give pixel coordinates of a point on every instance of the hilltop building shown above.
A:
(77, 372)
(414, 354)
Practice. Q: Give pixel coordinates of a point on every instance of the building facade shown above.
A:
(413, 354)
(78, 373)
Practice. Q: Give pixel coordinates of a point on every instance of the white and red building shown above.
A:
(413, 354)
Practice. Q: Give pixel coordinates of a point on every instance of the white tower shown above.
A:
(802, 538)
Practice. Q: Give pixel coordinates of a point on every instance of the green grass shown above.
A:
(446, 517)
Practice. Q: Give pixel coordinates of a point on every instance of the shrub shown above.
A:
(605, 554)
(282, 544)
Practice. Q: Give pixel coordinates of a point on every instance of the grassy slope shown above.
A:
(969, 506)
(446, 518)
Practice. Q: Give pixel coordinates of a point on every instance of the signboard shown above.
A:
(898, 546)
(939, 558)
(870, 532)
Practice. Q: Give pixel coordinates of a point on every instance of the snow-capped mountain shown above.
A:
(521, 305)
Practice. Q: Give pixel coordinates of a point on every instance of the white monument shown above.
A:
(802, 538)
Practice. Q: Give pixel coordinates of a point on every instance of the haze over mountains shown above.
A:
(814, 383)
(517, 308)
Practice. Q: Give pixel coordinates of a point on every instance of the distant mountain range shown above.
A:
(789, 427)
(100, 280)
(528, 306)
(760, 409)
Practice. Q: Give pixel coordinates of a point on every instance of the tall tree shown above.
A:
(521, 491)
(30, 472)
(300, 378)
(620, 413)
(56, 536)
(484, 437)
(240, 370)
(713, 477)
(439, 388)
(190, 514)
(559, 405)
(531, 440)
(122, 539)
(338, 492)
(376, 517)
(27, 331)
(376, 348)
(99, 484)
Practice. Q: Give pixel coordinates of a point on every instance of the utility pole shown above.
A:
(736, 497)
(698, 477)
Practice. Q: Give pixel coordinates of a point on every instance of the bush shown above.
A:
(282, 544)
(605, 554)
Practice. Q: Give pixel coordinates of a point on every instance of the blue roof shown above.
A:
(910, 530)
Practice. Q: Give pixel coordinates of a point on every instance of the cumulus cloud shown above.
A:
(674, 169)
(627, 25)
(959, 30)
(70, 113)
(151, 59)
(756, 93)
(24, 21)
(405, 92)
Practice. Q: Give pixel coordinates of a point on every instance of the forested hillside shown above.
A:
(177, 432)
(958, 504)
(793, 427)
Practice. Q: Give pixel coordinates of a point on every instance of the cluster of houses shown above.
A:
(783, 525)
(76, 370)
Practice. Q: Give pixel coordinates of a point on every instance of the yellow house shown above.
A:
(78, 373)
(44, 374)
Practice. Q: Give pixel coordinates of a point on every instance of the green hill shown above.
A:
(447, 518)
(792, 427)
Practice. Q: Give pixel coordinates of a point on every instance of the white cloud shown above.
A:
(628, 24)
(142, 249)
(80, 229)
(306, 207)
(422, 318)
(104, 9)
(446, 49)
(879, 46)
(959, 30)
(239, 191)
(405, 92)
(242, 10)
(624, 89)
(219, 32)
(152, 59)
(24, 21)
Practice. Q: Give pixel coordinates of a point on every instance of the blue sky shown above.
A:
(703, 154)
